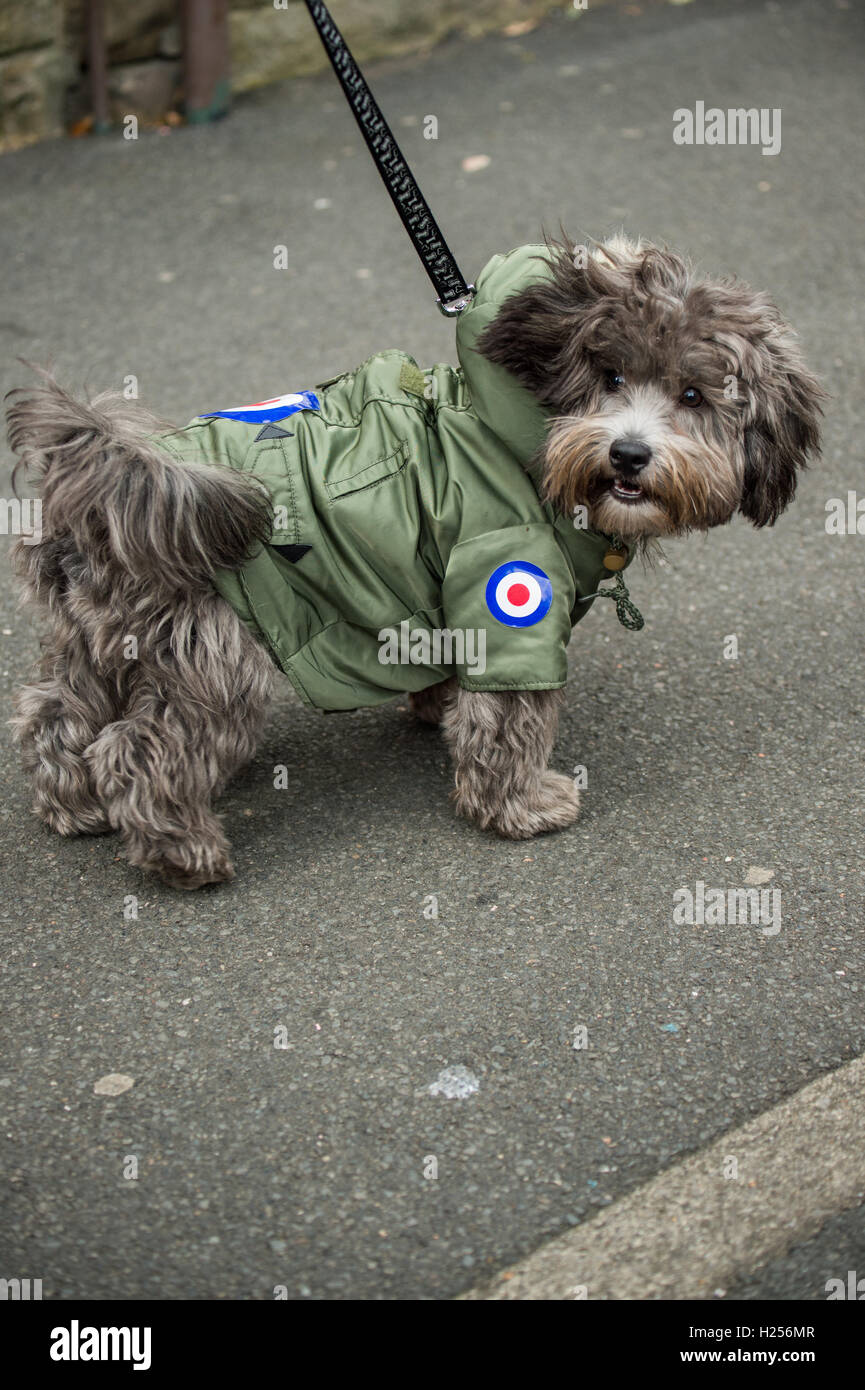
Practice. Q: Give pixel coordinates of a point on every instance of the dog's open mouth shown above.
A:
(625, 491)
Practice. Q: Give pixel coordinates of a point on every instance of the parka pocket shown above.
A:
(371, 474)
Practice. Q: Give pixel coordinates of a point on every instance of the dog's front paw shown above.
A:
(553, 803)
(220, 870)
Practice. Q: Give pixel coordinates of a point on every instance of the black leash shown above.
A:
(454, 295)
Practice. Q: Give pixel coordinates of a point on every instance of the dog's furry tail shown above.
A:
(106, 485)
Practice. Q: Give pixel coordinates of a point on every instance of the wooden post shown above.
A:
(205, 59)
(98, 63)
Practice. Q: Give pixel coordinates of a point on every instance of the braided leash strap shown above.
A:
(626, 611)
(438, 261)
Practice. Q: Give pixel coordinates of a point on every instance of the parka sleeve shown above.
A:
(507, 597)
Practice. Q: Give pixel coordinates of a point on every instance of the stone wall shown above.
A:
(43, 77)
(268, 44)
(35, 70)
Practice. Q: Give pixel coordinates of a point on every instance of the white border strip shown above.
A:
(691, 1230)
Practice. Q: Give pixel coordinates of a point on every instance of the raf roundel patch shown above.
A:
(519, 594)
(277, 408)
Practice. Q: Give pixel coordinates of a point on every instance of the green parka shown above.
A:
(399, 494)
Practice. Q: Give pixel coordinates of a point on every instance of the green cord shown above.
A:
(627, 612)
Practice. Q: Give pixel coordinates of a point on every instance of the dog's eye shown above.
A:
(615, 381)
(691, 397)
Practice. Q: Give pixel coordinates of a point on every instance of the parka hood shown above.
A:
(504, 406)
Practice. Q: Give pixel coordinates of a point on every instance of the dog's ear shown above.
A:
(538, 331)
(785, 431)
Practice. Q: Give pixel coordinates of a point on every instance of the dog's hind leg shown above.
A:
(134, 538)
(429, 705)
(58, 717)
(60, 712)
(197, 706)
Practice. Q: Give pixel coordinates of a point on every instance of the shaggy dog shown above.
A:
(671, 402)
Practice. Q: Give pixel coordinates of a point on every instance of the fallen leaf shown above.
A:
(757, 875)
(114, 1084)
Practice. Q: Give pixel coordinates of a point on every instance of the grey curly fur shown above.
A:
(642, 311)
(130, 541)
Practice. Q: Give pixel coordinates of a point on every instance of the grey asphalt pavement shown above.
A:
(806, 1273)
(310, 1166)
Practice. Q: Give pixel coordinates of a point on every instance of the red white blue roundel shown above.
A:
(519, 594)
(277, 408)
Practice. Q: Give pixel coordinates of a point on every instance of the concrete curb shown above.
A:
(692, 1229)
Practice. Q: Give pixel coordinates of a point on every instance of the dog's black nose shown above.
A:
(629, 456)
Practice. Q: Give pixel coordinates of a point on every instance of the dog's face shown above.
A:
(676, 400)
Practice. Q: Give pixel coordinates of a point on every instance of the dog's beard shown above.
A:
(691, 483)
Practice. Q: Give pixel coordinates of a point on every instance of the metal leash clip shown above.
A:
(453, 307)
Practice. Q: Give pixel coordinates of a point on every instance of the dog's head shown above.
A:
(675, 400)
